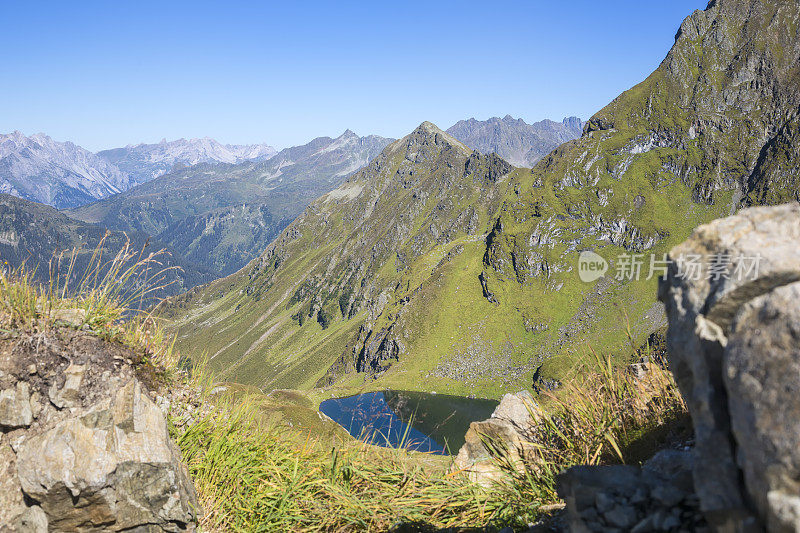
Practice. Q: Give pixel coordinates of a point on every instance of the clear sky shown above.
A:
(106, 74)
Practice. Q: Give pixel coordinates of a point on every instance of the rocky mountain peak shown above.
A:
(514, 140)
(430, 133)
(573, 123)
(428, 127)
(61, 174)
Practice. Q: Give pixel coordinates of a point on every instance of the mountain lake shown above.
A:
(426, 422)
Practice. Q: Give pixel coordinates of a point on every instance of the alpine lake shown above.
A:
(420, 421)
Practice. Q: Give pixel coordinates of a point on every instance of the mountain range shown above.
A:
(60, 174)
(517, 142)
(65, 175)
(440, 268)
(36, 235)
(217, 206)
(143, 162)
(222, 215)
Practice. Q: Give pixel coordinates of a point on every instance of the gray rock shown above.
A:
(644, 526)
(15, 406)
(603, 502)
(31, 520)
(507, 428)
(114, 467)
(93, 452)
(71, 317)
(12, 501)
(762, 376)
(700, 309)
(621, 517)
(668, 495)
(69, 393)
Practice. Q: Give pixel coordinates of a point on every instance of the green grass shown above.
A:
(256, 477)
(253, 474)
(107, 297)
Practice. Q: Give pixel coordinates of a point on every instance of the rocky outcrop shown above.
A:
(509, 426)
(733, 347)
(761, 372)
(82, 445)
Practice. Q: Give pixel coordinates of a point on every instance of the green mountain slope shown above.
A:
(684, 146)
(34, 234)
(222, 215)
(356, 269)
(434, 269)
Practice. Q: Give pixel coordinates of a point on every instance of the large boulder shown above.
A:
(507, 430)
(82, 445)
(727, 344)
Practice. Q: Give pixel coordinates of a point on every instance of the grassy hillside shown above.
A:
(271, 463)
(355, 269)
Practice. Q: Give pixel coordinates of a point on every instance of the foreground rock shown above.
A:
(658, 497)
(732, 298)
(734, 347)
(82, 446)
(510, 427)
(761, 371)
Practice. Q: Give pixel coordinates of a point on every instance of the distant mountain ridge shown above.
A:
(514, 140)
(60, 174)
(65, 175)
(143, 162)
(223, 215)
(333, 295)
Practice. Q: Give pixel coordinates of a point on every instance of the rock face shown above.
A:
(734, 346)
(82, 445)
(57, 173)
(732, 297)
(509, 426)
(761, 372)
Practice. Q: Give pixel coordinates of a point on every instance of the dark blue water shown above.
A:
(434, 423)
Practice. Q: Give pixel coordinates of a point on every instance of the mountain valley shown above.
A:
(502, 326)
(396, 279)
(44, 240)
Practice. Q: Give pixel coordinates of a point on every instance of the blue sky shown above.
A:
(105, 74)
